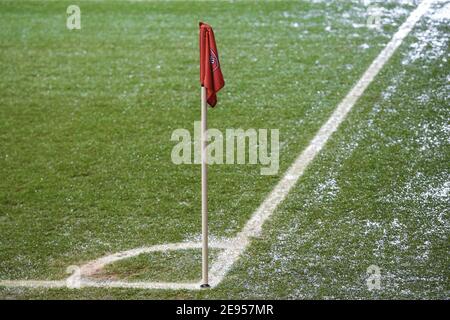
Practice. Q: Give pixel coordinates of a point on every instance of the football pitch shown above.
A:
(86, 118)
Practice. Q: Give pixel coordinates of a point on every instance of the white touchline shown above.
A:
(231, 249)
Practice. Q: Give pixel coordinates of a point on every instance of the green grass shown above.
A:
(85, 124)
(170, 266)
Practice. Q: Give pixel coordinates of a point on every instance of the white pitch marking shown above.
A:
(34, 283)
(234, 247)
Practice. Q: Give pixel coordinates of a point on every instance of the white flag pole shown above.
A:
(204, 127)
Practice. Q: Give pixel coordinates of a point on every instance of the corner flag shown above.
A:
(211, 80)
(210, 74)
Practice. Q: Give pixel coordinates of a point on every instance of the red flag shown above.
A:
(210, 74)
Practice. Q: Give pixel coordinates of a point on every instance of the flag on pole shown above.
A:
(210, 74)
(211, 80)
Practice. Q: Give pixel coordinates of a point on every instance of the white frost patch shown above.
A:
(423, 98)
(396, 224)
(429, 136)
(387, 94)
(213, 239)
(443, 14)
(364, 46)
(419, 190)
(432, 43)
(358, 25)
(371, 226)
(390, 16)
(437, 193)
(327, 190)
(424, 251)
(390, 91)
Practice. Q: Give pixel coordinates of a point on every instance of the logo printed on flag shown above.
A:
(214, 60)
(210, 73)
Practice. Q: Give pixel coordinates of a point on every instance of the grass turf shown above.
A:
(170, 266)
(86, 118)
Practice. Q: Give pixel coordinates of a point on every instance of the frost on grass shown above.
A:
(353, 15)
(364, 46)
(327, 190)
(432, 40)
(322, 251)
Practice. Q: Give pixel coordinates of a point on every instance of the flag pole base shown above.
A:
(205, 286)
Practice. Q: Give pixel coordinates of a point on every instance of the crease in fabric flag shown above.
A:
(210, 74)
